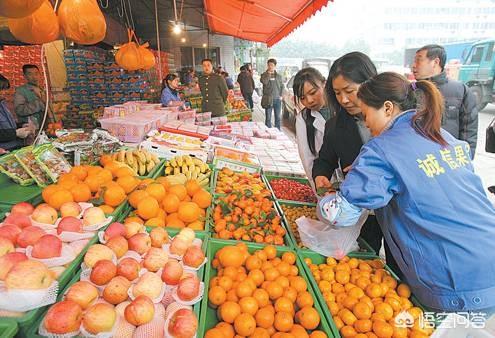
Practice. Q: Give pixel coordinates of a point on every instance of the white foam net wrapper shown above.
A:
(24, 300)
(67, 256)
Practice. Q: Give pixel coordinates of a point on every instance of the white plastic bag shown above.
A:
(256, 98)
(325, 240)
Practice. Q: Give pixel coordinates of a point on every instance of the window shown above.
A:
(476, 55)
(489, 54)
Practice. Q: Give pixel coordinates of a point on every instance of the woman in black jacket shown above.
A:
(345, 132)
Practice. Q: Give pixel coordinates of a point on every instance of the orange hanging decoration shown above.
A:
(82, 21)
(132, 56)
(37, 28)
(147, 55)
(18, 8)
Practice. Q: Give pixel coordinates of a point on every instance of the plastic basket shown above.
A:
(8, 328)
(269, 178)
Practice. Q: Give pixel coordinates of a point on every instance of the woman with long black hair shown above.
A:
(170, 95)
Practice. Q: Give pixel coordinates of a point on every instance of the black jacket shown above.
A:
(341, 141)
(246, 82)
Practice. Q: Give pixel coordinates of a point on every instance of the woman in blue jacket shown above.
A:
(170, 96)
(431, 206)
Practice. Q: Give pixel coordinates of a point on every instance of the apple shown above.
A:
(183, 324)
(119, 245)
(48, 246)
(44, 214)
(11, 232)
(69, 224)
(115, 229)
(116, 290)
(93, 215)
(99, 317)
(178, 246)
(159, 236)
(29, 274)
(96, 253)
(172, 272)
(155, 259)
(8, 261)
(103, 272)
(21, 220)
(132, 228)
(83, 293)
(23, 208)
(70, 209)
(63, 317)
(140, 311)
(128, 268)
(6, 246)
(149, 284)
(140, 243)
(193, 257)
(187, 234)
(29, 236)
(188, 288)
(57, 271)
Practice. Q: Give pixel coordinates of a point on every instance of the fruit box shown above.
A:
(209, 316)
(320, 259)
(12, 193)
(269, 178)
(240, 169)
(8, 328)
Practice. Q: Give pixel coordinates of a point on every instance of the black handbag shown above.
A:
(490, 138)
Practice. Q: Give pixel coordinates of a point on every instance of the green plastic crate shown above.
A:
(161, 172)
(208, 317)
(269, 178)
(13, 193)
(215, 181)
(8, 328)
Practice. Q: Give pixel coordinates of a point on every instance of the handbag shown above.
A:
(266, 101)
(490, 138)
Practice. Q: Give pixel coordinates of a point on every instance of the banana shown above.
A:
(173, 162)
(204, 182)
(135, 167)
(169, 170)
(188, 175)
(194, 175)
(150, 166)
(197, 161)
(176, 171)
(155, 158)
(121, 156)
(188, 160)
(177, 179)
(129, 157)
(142, 169)
(148, 156)
(184, 167)
(140, 155)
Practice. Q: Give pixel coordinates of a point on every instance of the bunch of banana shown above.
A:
(141, 161)
(192, 168)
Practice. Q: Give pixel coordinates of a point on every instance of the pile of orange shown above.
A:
(364, 299)
(260, 295)
(158, 203)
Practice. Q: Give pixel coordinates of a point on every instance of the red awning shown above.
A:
(259, 20)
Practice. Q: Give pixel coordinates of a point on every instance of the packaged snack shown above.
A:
(51, 161)
(27, 159)
(10, 166)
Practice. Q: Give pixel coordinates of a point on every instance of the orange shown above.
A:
(217, 295)
(264, 318)
(257, 276)
(155, 222)
(245, 324)
(232, 295)
(244, 289)
(416, 312)
(124, 171)
(274, 290)
(283, 281)
(225, 282)
(188, 212)
(253, 263)
(260, 332)
(80, 192)
(173, 221)
(49, 191)
(270, 251)
(283, 268)
(298, 283)
(114, 196)
(299, 331)
(338, 322)
(349, 302)
(404, 291)
(347, 317)
(60, 197)
(283, 304)
(93, 170)
(107, 209)
(291, 293)
(283, 321)
(147, 208)
(308, 317)
(202, 198)
(170, 203)
(227, 329)
(105, 159)
(105, 175)
(271, 274)
(161, 214)
(363, 325)
(229, 311)
(163, 181)
(373, 290)
(215, 333)
(79, 171)
(94, 182)
(197, 225)
(356, 292)
(112, 166)
(231, 256)
(318, 334)
(390, 281)
(304, 299)
(394, 303)
(156, 190)
(133, 219)
(262, 297)
(178, 190)
(385, 309)
(66, 179)
(289, 257)
(192, 187)
(249, 305)
(383, 329)
(128, 183)
(362, 310)
(342, 277)
(348, 331)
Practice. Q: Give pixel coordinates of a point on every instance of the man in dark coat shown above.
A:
(246, 82)
(213, 89)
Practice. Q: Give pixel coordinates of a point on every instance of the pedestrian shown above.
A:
(432, 207)
(30, 98)
(346, 132)
(228, 80)
(460, 117)
(170, 95)
(246, 83)
(213, 90)
(271, 99)
(309, 90)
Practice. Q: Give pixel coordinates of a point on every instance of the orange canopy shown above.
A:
(259, 20)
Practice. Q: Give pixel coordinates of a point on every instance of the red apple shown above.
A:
(45, 214)
(140, 243)
(63, 317)
(132, 228)
(119, 245)
(48, 246)
(188, 288)
(159, 236)
(6, 246)
(128, 268)
(83, 293)
(155, 259)
(29, 236)
(69, 224)
(172, 272)
(99, 317)
(23, 208)
(70, 209)
(193, 257)
(103, 271)
(92, 216)
(11, 232)
(183, 324)
(97, 252)
(7, 262)
(21, 220)
(115, 229)
(140, 311)
(29, 274)
(178, 246)
(116, 290)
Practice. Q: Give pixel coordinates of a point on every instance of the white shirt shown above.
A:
(307, 157)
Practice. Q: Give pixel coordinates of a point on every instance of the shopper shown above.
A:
(170, 95)
(345, 133)
(271, 99)
(228, 80)
(30, 99)
(246, 83)
(11, 137)
(309, 90)
(213, 89)
(461, 114)
(421, 183)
